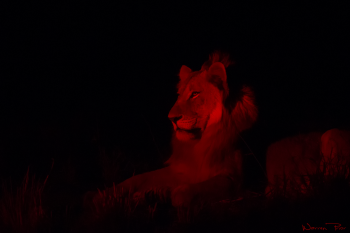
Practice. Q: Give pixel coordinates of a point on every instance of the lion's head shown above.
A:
(207, 123)
(201, 95)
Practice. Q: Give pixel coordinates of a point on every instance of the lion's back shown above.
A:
(289, 158)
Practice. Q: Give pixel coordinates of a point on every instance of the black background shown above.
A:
(77, 72)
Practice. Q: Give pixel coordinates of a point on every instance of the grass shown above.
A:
(323, 199)
(331, 170)
(22, 210)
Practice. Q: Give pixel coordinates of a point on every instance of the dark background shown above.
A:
(81, 77)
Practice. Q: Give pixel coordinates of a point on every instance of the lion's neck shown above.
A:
(218, 138)
(214, 147)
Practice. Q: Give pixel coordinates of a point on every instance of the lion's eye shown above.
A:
(194, 94)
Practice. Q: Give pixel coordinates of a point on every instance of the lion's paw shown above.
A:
(88, 200)
(182, 196)
(137, 195)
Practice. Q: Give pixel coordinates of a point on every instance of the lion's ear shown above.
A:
(184, 72)
(217, 70)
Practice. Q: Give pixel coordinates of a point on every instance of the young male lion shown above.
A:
(205, 162)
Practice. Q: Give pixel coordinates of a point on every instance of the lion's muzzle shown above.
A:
(186, 124)
(181, 122)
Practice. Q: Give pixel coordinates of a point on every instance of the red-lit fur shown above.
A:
(204, 164)
(295, 159)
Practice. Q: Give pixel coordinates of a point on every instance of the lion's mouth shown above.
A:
(192, 131)
(188, 134)
(187, 125)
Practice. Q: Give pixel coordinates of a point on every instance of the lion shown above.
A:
(292, 162)
(206, 163)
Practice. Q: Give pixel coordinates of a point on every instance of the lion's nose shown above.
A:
(175, 113)
(175, 118)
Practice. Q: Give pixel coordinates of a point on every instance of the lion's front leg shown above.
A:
(214, 189)
(161, 179)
